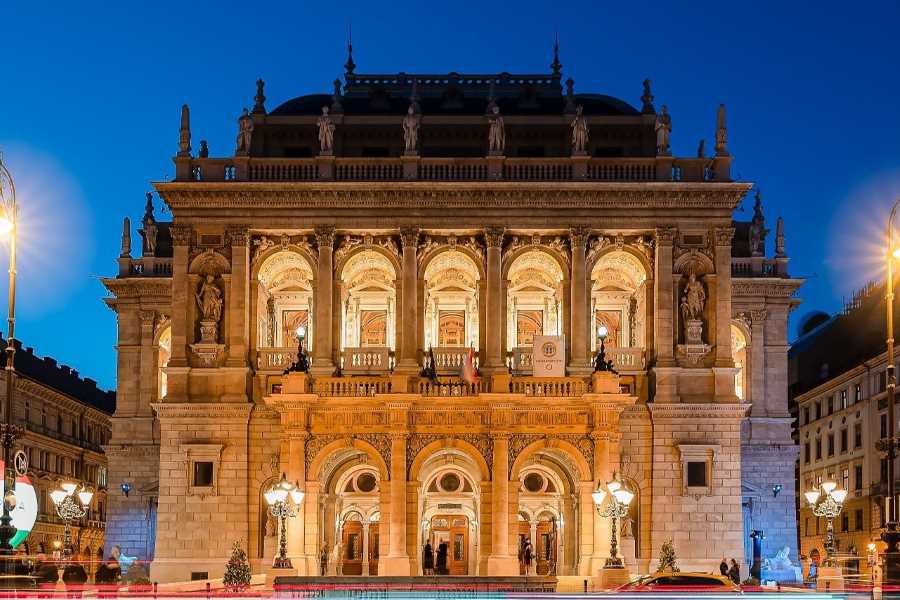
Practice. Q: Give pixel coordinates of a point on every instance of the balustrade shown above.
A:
(368, 169)
(449, 360)
(522, 360)
(550, 386)
(275, 359)
(368, 360)
(452, 388)
(351, 386)
(627, 359)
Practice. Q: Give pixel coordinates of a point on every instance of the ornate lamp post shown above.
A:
(827, 501)
(69, 510)
(277, 497)
(616, 508)
(8, 432)
(600, 361)
(890, 534)
(301, 365)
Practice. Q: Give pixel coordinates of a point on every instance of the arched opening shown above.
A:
(739, 355)
(534, 304)
(451, 308)
(541, 520)
(368, 312)
(284, 302)
(163, 353)
(619, 302)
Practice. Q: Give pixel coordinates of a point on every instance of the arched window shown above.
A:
(739, 355)
(164, 352)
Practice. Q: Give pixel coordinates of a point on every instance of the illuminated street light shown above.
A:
(69, 510)
(277, 499)
(827, 501)
(600, 362)
(617, 508)
(890, 534)
(301, 365)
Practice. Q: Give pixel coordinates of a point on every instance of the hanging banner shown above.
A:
(549, 358)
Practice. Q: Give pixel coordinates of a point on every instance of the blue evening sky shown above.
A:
(91, 94)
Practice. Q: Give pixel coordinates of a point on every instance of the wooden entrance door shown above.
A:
(546, 547)
(524, 535)
(452, 530)
(352, 541)
(373, 549)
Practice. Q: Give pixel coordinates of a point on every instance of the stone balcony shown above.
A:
(416, 168)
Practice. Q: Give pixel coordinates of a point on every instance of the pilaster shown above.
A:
(181, 241)
(494, 302)
(409, 359)
(580, 328)
(322, 352)
(238, 299)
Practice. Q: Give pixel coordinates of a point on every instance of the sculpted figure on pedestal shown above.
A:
(411, 130)
(150, 230)
(496, 134)
(663, 130)
(209, 299)
(694, 299)
(326, 132)
(245, 131)
(579, 133)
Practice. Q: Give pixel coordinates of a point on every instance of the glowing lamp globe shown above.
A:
(812, 496)
(598, 497)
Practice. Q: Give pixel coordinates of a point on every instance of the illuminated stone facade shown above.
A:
(385, 245)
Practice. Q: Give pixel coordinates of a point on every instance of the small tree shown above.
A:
(667, 558)
(237, 571)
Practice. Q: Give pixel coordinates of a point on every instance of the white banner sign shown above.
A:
(549, 356)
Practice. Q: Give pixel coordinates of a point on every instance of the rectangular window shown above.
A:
(203, 474)
(845, 522)
(818, 448)
(844, 446)
(818, 410)
(857, 436)
(857, 477)
(806, 455)
(805, 415)
(830, 444)
(845, 478)
(696, 474)
(843, 399)
(858, 519)
(830, 405)
(857, 393)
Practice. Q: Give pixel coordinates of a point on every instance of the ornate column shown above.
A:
(238, 332)
(494, 310)
(664, 301)
(181, 245)
(757, 363)
(578, 362)
(148, 361)
(322, 351)
(409, 359)
(365, 549)
(500, 562)
(397, 561)
(724, 365)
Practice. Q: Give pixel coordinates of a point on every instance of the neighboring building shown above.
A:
(66, 421)
(838, 386)
(410, 217)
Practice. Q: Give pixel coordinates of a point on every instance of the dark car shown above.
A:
(681, 582)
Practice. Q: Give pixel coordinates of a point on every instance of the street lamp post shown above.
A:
(600, 361)
(301, 365)
(890, 534)
(615, 509)
(827, 501)
(8, 431)
(277, 497)
(69, 510)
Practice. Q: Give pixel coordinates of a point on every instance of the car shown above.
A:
(680, 582)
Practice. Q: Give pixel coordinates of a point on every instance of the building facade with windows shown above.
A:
(838, 385)
(402, 217)
(66, 419)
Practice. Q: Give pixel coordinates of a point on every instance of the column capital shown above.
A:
(409, 237)
(148, 317)
(493, 236)
(181, 234)
(500, 436)
(238, 235)
(758, 316)
(724, 235)
(399, 436)
(324, 236)
(666, 235)
(578, 236)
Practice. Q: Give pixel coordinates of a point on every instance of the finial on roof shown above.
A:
(492, 100)
(126, 238)
(414, 96)
(204, 150)
(779, 238)
(336, 106)
(721, 132)
(701, 149)
(556, 66)
(349, 66)
(259, 101)
(758, 229)
(184, 133)
(647, 99)
(570, 95)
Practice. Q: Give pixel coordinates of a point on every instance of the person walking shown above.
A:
(734, 572)
(442, 559)
(428, 559)
(529, 558)
(723, 567)
(323, 560)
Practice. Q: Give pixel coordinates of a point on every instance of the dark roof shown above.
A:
(61, 378)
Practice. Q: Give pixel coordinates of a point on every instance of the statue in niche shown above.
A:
(579, 133)
(663, 130)
(326, 132)
(411, 130)
(496, 134)
(693, 301)
(209, 299)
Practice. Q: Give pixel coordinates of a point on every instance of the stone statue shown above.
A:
(758, 229)
(579, 133)
(270, 525)
(204, 150)
(126, 237)
(701, 149)
(627, 526)
(259, 101)
(779, 238)
(245, 132)
(411, 130)
(663, 130)
(184, 133)
(150, 230)
(496, 134)
(721, 132)
(694, 299)
(326, 133)
(209, 299)
(336, 106)
(647, 99)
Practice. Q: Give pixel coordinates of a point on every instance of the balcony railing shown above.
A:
(450, 388)
(351, 386)
(624, 359)
(276, 359)
(145, 266)
(449, 360)
(415, 168)
(550, 386)
(366, 360)
(522, 360)
(758, 266)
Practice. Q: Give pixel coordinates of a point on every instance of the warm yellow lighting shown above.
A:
(69, 487)
(271, 497)
(839, 496)
(598, 497)
(6, 226)
(85, 496)
(812, 496)
(297, 496)
(624, 496)
(871, 547)
(613, 486)
(58, 496)
(301, 332)
(602, 332)
(895, 253)
(829, 486)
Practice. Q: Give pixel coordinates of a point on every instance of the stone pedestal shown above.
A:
(830, 579)
(613, 577)
(627, 550)
(604, 382)
(502, 566)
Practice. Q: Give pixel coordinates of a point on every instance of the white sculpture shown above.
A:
(663, 130)
(326, 132)
(579, 133)
(411, 130)
(496, 134)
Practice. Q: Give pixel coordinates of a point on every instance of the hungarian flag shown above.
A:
(469, 373)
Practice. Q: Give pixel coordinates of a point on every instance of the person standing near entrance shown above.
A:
(723, 567)
(528, 556)
(442, 559)
(428, 559)
(735, 572)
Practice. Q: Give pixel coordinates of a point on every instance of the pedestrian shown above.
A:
(735, 572)
(442, 559)
(723, 567)
(323, 560)
(528, 557)
(428, 559)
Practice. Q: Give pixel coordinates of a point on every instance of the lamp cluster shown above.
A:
(69, 510)
(827, 501)
(620, 498)
(278, 497)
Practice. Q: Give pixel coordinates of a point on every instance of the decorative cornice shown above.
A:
(769, 287)
(724, 235)
(666, 235)
(324, 236)
(409, 237)
(212, 411)
(578, 237)
(660, 411)
(431, 195)
(238, 235)
(139, 287)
